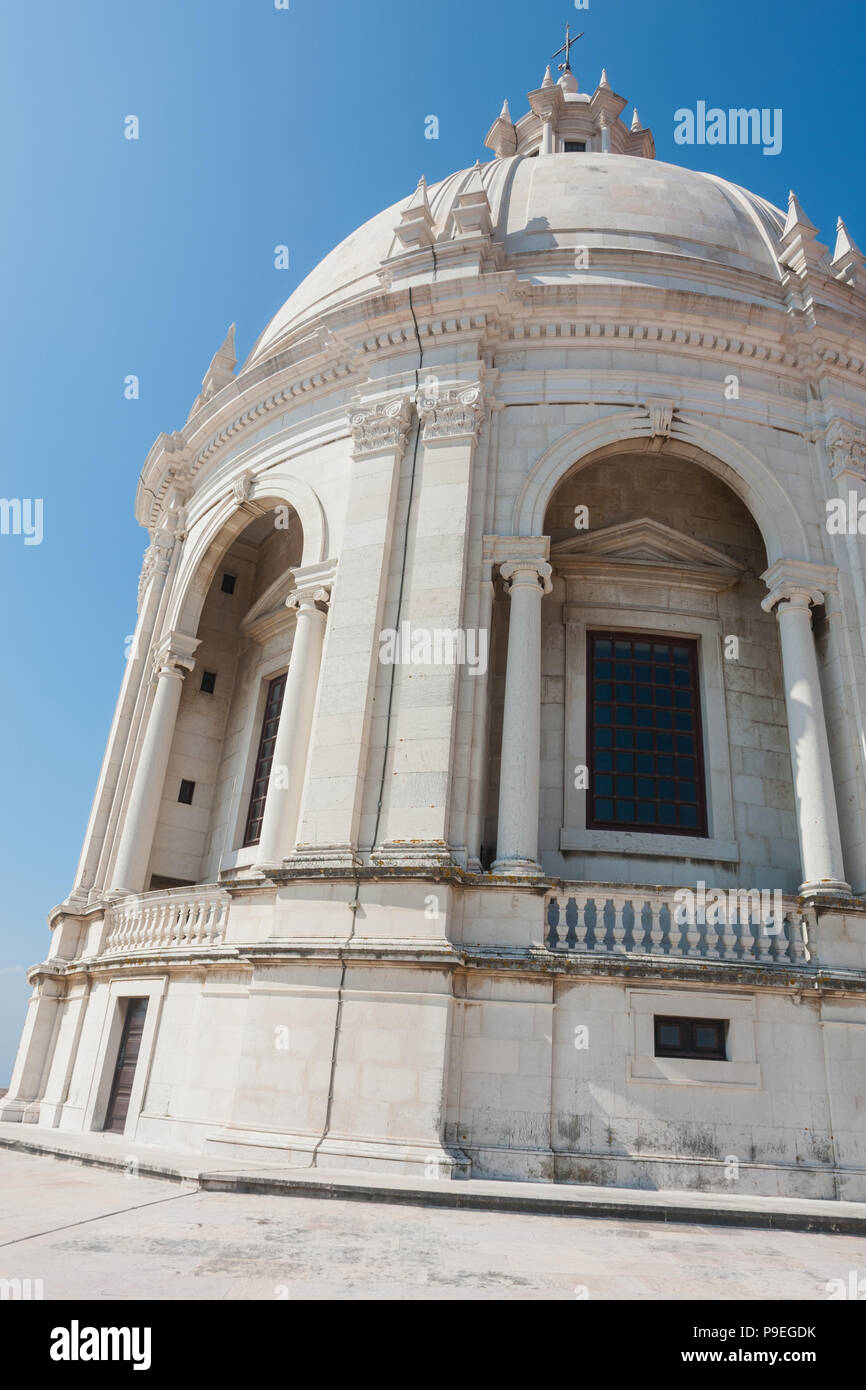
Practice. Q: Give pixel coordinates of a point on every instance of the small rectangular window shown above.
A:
(228, 584)
(691, 1037)
(186, 791)
(208, 681)
(575, 146)
(264, 759)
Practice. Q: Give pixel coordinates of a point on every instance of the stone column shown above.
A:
(791, 594)
(528, 580)
(286, 783)
(174, 659)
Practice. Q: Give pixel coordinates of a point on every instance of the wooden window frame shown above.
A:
(272, 711)
(690, 1050)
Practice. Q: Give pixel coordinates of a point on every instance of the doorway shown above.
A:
(127, 1060)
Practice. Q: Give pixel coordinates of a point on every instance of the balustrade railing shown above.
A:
(177, 918)
(641, 921)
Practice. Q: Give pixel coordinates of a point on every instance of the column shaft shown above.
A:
(817, 817)
(520, 761)
(291, 747)
(142, 811)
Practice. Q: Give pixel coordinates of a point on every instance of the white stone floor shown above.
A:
(92, 1234)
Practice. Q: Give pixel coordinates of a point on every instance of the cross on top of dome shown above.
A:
(566, 48)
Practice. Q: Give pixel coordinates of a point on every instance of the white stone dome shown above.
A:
(641, 219)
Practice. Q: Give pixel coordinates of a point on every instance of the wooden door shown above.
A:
(124, 1070)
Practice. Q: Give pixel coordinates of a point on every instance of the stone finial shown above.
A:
(220, 371)
(415, 229)
(801, 250)
(797, 217)
(848, 260)
(547, 80)
(635, 121)
(603, 82)
(501, 138)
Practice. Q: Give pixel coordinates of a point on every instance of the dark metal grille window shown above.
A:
(575, 146)
(691, 1037)
(644, 735)
(264, 759)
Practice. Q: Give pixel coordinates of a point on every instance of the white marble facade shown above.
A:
(430, 959)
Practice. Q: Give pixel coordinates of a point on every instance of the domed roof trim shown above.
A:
(542, 205)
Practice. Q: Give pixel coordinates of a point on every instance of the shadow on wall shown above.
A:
(14, 994)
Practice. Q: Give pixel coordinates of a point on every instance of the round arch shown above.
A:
(210, 538)
(753, 481)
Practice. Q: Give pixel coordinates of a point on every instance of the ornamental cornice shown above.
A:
(529, 331)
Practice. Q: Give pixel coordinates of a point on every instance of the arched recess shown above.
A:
(751, 479)
(209, 539)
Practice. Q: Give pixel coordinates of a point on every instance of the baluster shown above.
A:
(668, 929)
(608, 922)
(141, 927)
(580, 941)
(571, 918)
(552, 923)
(797, 943)
(618, 905)
(204, 909)
(711, 932)
(692, 934)
(780, 944)
(729, 932)
(768, 929)
(590, 917)
(747, 936)
(656, 926)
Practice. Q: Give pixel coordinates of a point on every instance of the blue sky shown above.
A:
(261, 126)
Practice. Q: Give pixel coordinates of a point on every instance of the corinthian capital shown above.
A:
(452, 414)
(381, 427)
(846, 446)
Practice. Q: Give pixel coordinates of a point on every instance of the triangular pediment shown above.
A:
(269, 614)
(646, 549)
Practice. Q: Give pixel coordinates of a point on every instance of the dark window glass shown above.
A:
(643, 695)
(208, 681)
(228, 584)
(264, 759)
(691, 1037)
(186, 791)
(575, 146)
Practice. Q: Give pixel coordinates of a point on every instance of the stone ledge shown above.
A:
(470, 1194)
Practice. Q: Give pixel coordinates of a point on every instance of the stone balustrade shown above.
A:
(603, 920)
(178, 918)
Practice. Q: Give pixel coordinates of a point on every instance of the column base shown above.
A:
(825, 888)
(517, 868)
